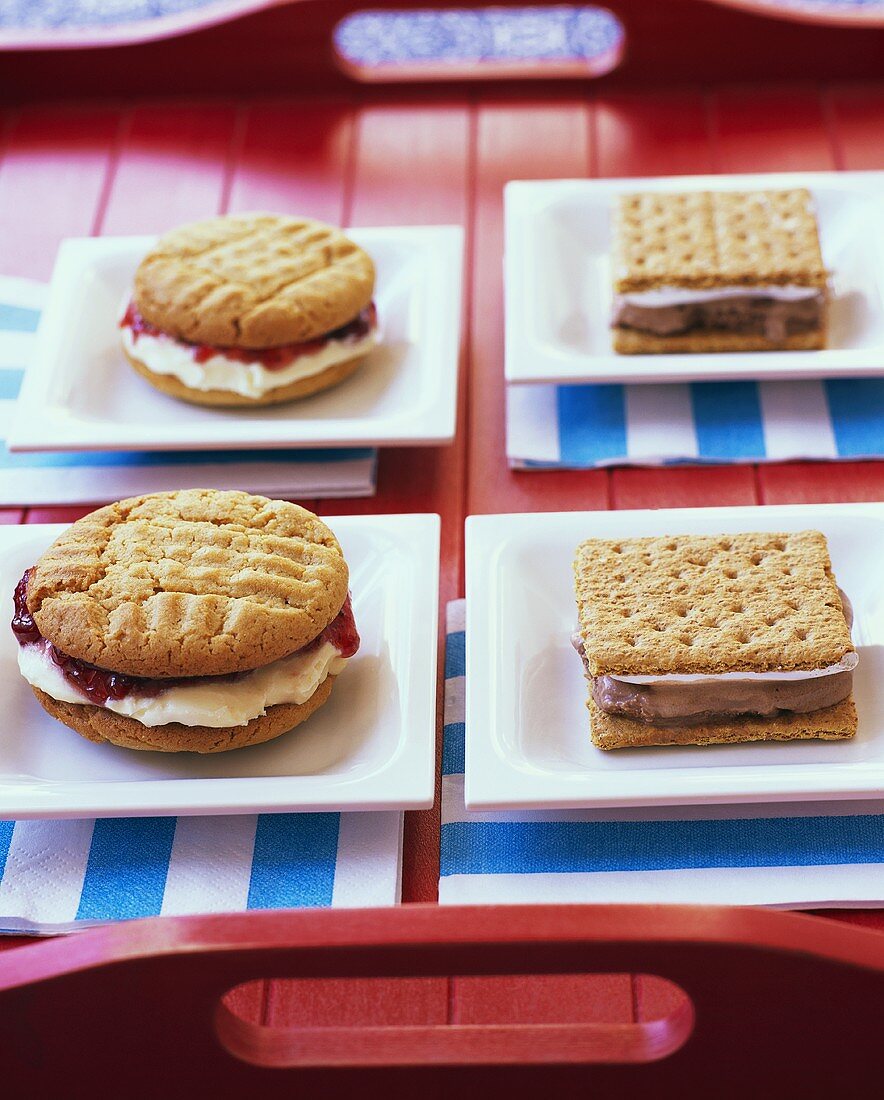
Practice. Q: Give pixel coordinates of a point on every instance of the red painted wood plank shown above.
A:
(412, 163)
(685, 487)
(770, 129)
(294, 159)
(57, 513)
(515, 140)
(819, 482)
(665, 134)
(856, 115)
(52, 182)
(174, 158)
(543, 999)
(12, 515)
(358, 1002)
(248, 1001)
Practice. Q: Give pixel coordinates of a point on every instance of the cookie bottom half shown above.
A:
(301, 387)
(105, 726)
(612, 731)
(628, 341)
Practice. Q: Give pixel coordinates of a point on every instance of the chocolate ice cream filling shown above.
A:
(763, 311)
(688, 704)
(692, 700)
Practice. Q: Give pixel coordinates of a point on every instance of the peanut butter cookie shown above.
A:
(253, 281)
(191, 583)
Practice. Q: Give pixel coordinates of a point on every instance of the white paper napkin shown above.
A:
(59, 876)
(580, 427)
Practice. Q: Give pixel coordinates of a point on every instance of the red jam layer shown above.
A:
(99, 685)
(23, 625)
(270, 358)
(341, 632)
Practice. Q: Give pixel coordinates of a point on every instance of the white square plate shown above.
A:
(527, 726)
(371, 747)
(79, 393)
(558, 282)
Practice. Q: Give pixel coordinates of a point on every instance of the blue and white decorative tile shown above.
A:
(492, 34)
(382, 37)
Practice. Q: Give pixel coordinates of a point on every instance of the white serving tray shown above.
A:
(527, 727)
(558, 282)
(370, 747)
(80, 394)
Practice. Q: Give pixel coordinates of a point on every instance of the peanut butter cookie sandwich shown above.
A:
(709, 639)
(250, 309)
(192, 621)
(714, 271)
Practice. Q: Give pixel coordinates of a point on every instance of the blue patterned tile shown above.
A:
(492, 34)
(372, 38)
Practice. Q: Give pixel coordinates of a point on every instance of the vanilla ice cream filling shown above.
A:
(219, 702)
(847, 664)
(664, 296)
(167, 356)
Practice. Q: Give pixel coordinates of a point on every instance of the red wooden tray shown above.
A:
(329, 149)
(762, 1002)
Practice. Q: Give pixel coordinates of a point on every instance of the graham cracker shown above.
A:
(708, 604)
(610, 731)
(630, 341)
(704, 239)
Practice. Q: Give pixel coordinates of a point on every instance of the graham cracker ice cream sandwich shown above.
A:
(250, 309)
(718, 271)
(708, 639)
(191, 621)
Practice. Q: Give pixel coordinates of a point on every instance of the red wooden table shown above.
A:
(363, 157)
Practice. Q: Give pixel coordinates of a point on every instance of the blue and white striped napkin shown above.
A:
(580, 427)
(59, 876)
(792, 855)
(85, 478)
